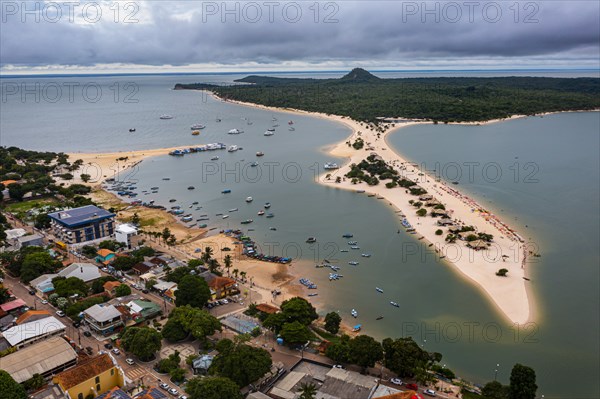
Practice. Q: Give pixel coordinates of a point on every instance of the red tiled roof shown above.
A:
(266, 308)
(85, 371)
(220, 282)
(104, 252)
(29, 314)
(111, 285)
(8, 306)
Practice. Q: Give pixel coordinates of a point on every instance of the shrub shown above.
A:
(439, 232)
(502, 272)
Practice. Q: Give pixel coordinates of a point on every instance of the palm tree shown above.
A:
(228, 263)
(243, 274)
(235, 273)
(166, 233)
(308, 391)
(213, 265)
(207, 255)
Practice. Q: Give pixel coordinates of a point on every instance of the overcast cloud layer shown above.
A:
(295, 35)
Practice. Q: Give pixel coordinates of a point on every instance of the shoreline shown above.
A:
(510, 295)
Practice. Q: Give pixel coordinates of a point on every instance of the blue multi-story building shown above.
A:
(83, 224)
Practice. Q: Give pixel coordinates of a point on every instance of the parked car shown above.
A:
(129, 361)
(76, 324)
(429, 392)
(32, 292)
(396, 381)
(116, 351)
(108, 345)
(60, 313)
(164, 386)
(414, 387)
(183, 397)
(89, 350)
(87, 333)
(145, 291)
(44, 302)
(173, 391)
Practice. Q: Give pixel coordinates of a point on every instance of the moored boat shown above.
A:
(394, 304)
(249, 199)
(311, 240)
(379, 290)
(226, 191)
(260, 153)
(354, 313)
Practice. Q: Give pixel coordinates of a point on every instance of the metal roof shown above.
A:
(38, 358)
(102, 312)
(84, 271)
(25, 331)
(81, 215)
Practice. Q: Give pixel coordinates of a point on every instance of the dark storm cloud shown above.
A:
(199, 33)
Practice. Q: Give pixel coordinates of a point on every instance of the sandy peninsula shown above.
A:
(509, 294)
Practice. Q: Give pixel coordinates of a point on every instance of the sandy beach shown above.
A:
(509, 294)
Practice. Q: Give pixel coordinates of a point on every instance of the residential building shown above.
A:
(44, 358)
(83, 271)
(14, 306)
(82, 225)
(166, 288)
(33, 331)
(110, 286)
(220, 287)
(141, 310)
(105, 256)
(103, 318)
(124, 233)
(142, 268)
(30, 241)
(92, 377)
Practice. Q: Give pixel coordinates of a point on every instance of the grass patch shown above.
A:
(25, 206)
(150, 222)
(327, 335)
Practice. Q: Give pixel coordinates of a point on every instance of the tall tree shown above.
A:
(295, 333)
(522, 383)
(197, 322)
(193, 291)
(365, 351)
(494, 390)
(212, 388)
(241, 363)
(228, 263)
(299, 309)
(332, 322)
(307, 391)
(143, 342)
(9, 388)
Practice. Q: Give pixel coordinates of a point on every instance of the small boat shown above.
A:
(365, 255)
(260, 213)
(247, 221)
(165, 116)
(225, 216)
(274, 119)
(271, 129)
(311, 240)
(330, 165)
(131, 130)
(233, 148)
(272, 228)
(249, 199)
(195, 203)
(291, 129)
(214, 158)
(454, 182)
(227, 191)
(218, 119)
(290, 122)
(269, 215)
(352, 242)
(353, 263)
(379, 290)
(254, 164)
(360, 191)
(153, 188)
(260, 154)
(394, 304)
(191, 188)
(357, 328)
(197, 126)
(268, 133)
(314, 294)
(347, 235)
(354, 247)
(354, 313)
(267, 205)
(235, 131)
(172, 200)
(195, 132)
(166, 178)
(379, 318)
(343, 250)
(233, 210)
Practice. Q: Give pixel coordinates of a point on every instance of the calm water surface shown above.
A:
(549, 182)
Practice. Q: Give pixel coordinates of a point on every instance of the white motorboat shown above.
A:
(232, 148)
(354, 313)
(197, 126)
(269, 133)
(165, 116)
(235, 131)
(330, 165)
(249, 199)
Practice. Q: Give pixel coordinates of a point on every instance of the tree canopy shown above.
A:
(212, 388)
(522, 383)
(365, 351)
(239, 362)
(70, 286)
(122, 290)
(197, 322)
(332, 322)
(9, 388)
(143, 342)
(193, 291)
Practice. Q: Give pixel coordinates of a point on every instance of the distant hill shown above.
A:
(365, 97)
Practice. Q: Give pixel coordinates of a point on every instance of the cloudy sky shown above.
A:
(172, 36)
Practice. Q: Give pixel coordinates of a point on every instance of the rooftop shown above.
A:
(126, 228)
(84, 271)
(77, 216)
(84, 371)
(25, 331)
(104, 252)
(151, 393)
(102, 312)
(111, 285)
(14, 233)
(38, 358)
(12, 305)
(115, 393)
(33, 237)
(32, 314)
(266, 308)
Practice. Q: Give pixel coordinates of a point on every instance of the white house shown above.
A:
(124, 233)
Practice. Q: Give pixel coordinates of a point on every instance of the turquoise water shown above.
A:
(438, 307)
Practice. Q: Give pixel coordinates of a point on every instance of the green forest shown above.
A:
(365, 97)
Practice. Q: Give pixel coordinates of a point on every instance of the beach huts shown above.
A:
(477, 245)
(445, 222)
